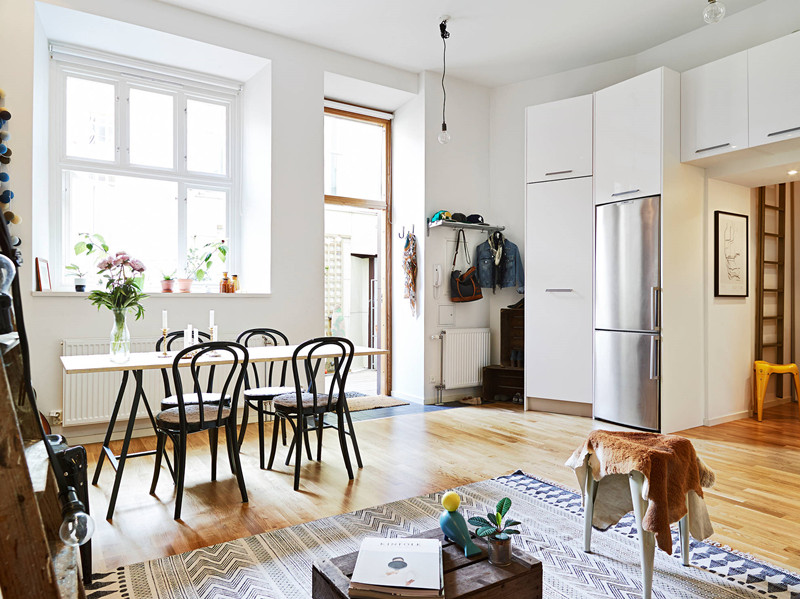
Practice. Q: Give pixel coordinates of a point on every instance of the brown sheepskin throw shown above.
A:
(673, 476)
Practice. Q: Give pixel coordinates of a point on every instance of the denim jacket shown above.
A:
(514, 272)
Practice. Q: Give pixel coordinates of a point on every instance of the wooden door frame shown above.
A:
(361, 203)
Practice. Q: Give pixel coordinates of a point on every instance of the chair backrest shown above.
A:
(170, 339)
(314, 353)
(235, 353)
(265, 336)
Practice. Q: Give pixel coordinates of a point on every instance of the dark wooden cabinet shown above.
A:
(501, 383)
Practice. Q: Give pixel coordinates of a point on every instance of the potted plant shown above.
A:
(79, 273)
(167, 282)
(496, 532)
(123, 292)
(199, 261)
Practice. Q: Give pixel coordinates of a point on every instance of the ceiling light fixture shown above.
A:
(714, 12)
(792, 172)
(444, 136)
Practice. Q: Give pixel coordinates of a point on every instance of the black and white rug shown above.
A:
(277, 564)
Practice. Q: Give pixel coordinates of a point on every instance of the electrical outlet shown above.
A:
(56, 418)
(433, 380)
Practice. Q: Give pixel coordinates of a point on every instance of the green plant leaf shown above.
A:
(499, 519)
(503, 506)
(501, 536)
(511, 531)
(479, 521)
(485, 531)
(512, 522)
(80, 247)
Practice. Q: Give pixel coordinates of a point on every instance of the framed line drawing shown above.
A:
(731, 255)
(43, 282)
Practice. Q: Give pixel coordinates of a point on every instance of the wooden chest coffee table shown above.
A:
(472, 577)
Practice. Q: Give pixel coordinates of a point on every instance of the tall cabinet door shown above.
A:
(627, 134)
(559, 139)
(558, 290)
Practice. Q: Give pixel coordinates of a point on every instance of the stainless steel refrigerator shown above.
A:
(627, 337)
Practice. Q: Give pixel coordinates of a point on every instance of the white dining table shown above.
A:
(138, 363)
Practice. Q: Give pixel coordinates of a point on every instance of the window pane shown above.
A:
(139, 216)
(206, 212)
(354, 159)
(152, 142)
(90, 119)
(206, 137)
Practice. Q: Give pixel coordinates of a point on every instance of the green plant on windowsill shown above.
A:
(88, 245)
(200, 259)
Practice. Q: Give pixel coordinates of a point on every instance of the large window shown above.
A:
(144, 158)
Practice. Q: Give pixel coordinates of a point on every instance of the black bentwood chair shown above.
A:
(257, 397)
(186, 418)
(299, 407)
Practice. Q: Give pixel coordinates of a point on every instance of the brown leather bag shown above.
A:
(464, 287)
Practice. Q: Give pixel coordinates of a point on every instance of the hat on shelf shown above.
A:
(475, 219)
(441, 215)
(459, 217)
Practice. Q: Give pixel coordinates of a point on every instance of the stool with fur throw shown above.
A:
(657, 476)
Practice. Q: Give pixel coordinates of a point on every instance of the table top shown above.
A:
(154, 361)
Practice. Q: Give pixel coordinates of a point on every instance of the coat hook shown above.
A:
(403, 234)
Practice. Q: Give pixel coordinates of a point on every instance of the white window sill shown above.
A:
(156, 294)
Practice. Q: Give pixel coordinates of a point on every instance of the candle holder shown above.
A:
(164, 353)
(212, 334)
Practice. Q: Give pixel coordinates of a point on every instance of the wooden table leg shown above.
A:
(111, 424)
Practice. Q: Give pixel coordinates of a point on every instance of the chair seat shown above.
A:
(267, 392)
(170, 419)
(288, 402)
(191, 399)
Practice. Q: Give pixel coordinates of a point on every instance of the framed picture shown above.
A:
(43, 282)
(731, 255)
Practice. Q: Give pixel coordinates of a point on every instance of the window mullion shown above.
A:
(180, 134)
(183, 242)
(123, 124)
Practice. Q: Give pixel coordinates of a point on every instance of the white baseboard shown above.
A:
(412, 398)
(768, 403)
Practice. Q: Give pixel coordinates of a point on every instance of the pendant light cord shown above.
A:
(445, 34)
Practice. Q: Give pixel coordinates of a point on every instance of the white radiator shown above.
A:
(464, 354)
(90, 398)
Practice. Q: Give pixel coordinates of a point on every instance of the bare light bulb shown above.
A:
(444, 136)
(714, 12)
(77, 526)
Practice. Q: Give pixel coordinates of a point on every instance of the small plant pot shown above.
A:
(499, 551)
(167, 284)
(80, 284)
(183, 285)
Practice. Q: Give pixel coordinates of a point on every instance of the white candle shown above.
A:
(215, 333)
(163, 319)
(196, 337)
(187, 337)
(211, 319)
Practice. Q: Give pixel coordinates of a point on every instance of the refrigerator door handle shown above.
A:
(655, 358)
(655, 309)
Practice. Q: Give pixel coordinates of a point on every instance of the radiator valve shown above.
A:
(56, 418)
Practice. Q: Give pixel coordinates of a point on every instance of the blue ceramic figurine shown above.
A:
(453, 525)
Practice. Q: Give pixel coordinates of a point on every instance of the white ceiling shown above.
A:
(493, 42)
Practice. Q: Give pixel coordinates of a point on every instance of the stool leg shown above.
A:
(683, 527)
(647, 540)
(590, 492)
(762, 379)
(797, 386)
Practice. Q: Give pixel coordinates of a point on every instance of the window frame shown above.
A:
(125, 75)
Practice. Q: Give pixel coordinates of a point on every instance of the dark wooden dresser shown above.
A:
(501, 382)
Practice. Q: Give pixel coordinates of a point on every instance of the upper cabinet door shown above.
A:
(714, 108)
(774, 87)
(627, 150)
(559, 139)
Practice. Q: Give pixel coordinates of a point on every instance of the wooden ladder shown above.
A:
(766, 268)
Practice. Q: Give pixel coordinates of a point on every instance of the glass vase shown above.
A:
(499, 550)
(120, 350)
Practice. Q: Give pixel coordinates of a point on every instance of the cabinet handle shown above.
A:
(784, 131)
(558, 173)
(559, 290)
(623, 193)
(725, 145)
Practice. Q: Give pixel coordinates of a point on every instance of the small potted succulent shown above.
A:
(79, 273)
(167, 281)
(497, 532)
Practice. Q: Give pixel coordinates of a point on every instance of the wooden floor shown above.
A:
(755, 506)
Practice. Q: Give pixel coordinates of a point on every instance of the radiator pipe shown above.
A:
(440, 386)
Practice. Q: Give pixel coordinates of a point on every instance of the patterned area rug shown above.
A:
(277, 564)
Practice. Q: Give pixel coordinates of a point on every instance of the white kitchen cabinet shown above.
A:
(714, 111)
(628, 138)
(559, 139)
(774, 89)
(558, 290)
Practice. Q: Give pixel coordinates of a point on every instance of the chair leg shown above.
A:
(283, 431)
(181, 461)
(230, 445)
(298, 446)
(305, 438)
(343, 445)
(353, 436)
(683, 527)
(590, 493)
(160, 446)
(320, 428)
(213, 440)
(230, 433)
(243, 427)
(274, 446)
(293, 444)
(647, 540)
(261, 434)
(762, 379)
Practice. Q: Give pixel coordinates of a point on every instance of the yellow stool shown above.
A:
(762, 371)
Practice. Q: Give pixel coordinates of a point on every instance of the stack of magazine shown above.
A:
(387, 568)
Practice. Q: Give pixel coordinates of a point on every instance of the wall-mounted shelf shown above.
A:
(451, 224)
